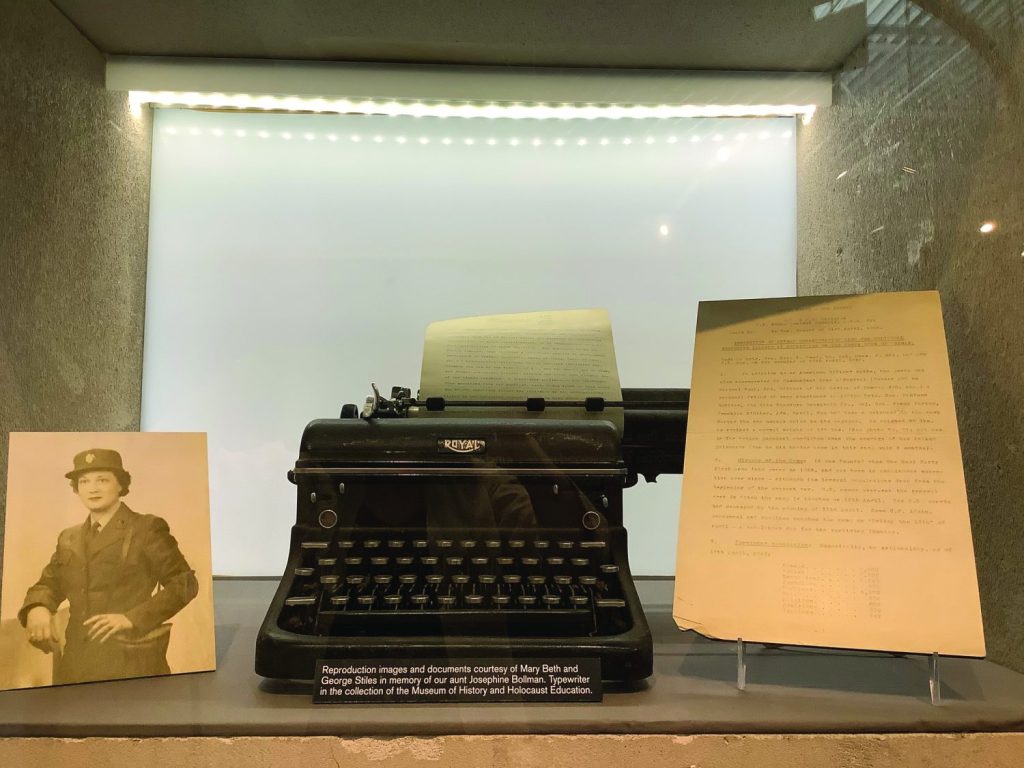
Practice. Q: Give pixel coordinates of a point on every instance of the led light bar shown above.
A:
(493, 110)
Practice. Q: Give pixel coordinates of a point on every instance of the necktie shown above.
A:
(94, 531)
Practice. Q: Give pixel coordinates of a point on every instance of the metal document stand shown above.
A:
(934, 681)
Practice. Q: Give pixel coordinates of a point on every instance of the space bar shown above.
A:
(516, 622)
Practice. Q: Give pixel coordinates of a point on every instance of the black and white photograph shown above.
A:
(107, 567)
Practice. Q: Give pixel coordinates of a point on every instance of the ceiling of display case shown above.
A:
(785, 35)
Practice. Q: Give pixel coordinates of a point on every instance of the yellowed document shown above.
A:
(823, 495)
(564, 355)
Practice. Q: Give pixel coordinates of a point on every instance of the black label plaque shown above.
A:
(456, 680)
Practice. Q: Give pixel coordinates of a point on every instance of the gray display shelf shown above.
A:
(693, 690)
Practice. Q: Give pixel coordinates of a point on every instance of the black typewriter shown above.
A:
(429, 535)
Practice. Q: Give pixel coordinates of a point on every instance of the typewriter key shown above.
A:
(313, 545)
(594, 544)
(500, 600)
(382, 578)
(608, 602)
(407, 578)
(304, 571)
(353, 561)
(588, 581)
(446, 601)
(403, 561)
(392, 601)
(529, 561)
(326, 562)
(444, 543)
(551, 600)
(473, 600)
(396, 543)
(328, 518)
(329, 580)
(516, 543)
(563, 580)
(536, 579)
(492, 544)
(565, 545)
(609, 568)
(527, 600)
(345, 544)
(355, 579)
(478, 560)
(580, 562)
(467, 543)
(434, 578)
(541, 544)
(420, 543)
(512, 578)
(371, 543)
(429, 560)
(555, 560)
(419, 599)
(486, 578)
(453, 560)
(379, 561)
(300, 600)
(460, 578)
(505, 560)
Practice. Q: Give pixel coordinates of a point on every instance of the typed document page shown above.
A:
(563, 355)
(823, 498)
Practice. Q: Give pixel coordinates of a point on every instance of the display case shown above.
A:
(242, 222)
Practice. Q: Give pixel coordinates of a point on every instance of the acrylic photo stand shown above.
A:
(934, 681)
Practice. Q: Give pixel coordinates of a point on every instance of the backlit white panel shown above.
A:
(293, 259)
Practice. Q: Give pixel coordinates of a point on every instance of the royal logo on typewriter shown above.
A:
(461, 445)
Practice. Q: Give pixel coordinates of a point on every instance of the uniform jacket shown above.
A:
(117, 571)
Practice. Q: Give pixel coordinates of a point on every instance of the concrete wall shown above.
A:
(74, 212)
(923, 145)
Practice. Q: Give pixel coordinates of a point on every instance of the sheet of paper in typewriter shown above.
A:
(565, 355)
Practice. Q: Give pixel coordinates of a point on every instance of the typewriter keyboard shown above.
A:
(545, 583)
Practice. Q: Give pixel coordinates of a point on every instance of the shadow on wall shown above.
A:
(912, 181)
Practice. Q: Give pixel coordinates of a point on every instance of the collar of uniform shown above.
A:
(113, 531)
(105, 518)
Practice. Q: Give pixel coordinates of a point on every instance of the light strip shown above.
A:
(469, 141)
(521, 111)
